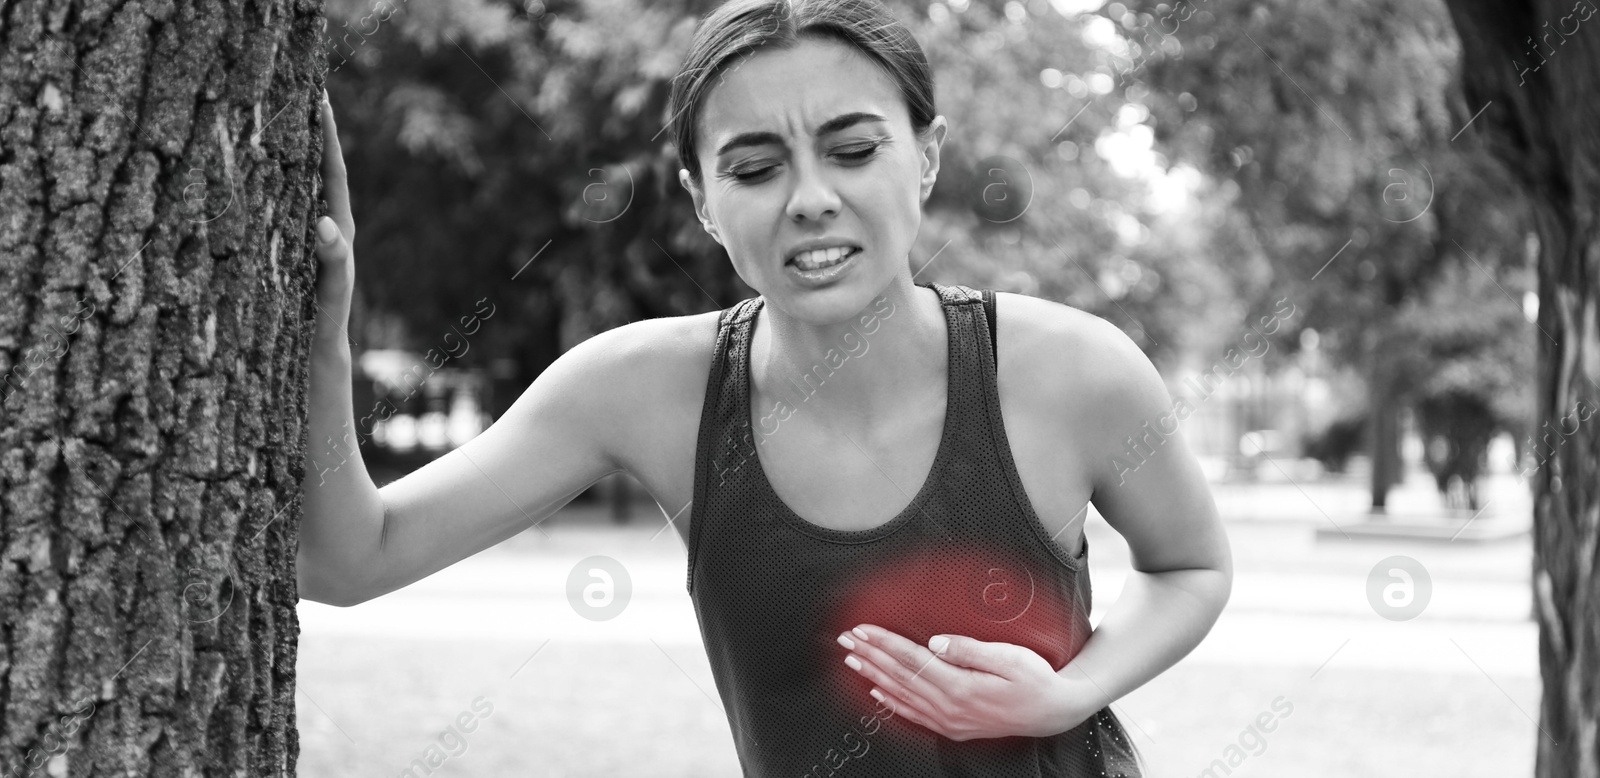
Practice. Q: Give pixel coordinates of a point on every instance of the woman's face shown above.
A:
(805, 144)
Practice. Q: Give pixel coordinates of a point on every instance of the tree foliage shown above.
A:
(1337, 121)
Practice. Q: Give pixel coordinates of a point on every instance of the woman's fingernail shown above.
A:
(860, 633)
(855, 664)
(877, 695)
(846, 642)
(326, 232)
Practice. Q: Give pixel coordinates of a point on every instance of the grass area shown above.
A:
(369, 707)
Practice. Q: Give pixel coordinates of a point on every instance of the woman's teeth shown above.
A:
(821, 258)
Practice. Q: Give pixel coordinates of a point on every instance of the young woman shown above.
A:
(884, 517)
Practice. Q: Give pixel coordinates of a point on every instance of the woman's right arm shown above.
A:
(357, 541)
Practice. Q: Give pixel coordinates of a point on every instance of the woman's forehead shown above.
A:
(793, 92)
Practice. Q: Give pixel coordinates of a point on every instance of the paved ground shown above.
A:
(1450, 692)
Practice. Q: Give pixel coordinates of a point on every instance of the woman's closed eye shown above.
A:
(855, 154)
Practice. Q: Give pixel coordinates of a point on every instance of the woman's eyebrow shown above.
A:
(837, 123)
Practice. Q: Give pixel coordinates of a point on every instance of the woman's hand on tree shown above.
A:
(335, 237)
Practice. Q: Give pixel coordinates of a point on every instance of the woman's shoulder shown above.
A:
(1064, 334)
(1061, 354)
(663, 353)
(649, 381)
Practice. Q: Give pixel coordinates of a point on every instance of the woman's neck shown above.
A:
(856, 370)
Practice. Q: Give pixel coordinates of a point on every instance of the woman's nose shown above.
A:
(813, 194)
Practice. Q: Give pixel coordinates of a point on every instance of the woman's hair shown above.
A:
(744, 27)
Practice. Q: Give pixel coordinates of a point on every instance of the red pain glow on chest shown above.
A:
(988, 595)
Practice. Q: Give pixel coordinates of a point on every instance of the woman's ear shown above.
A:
(699, 197)
(935, 135)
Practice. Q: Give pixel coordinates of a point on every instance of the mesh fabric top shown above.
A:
(966, 556)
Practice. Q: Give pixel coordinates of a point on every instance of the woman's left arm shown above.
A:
(1149, 487)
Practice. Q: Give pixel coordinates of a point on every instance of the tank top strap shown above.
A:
(964, 315)
(979, 383)
(724, 442)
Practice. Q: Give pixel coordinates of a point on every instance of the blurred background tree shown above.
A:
(1335, 122)
(1465, 352)
(529, 137)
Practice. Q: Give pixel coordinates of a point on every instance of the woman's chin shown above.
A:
(822, 307)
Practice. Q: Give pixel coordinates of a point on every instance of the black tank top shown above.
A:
(966, 556)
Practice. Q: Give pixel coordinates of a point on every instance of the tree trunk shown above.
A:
(1383, 418)
(1539, 64)
(158, 179)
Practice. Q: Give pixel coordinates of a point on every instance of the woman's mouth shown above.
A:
(815, 269)
(822, 258)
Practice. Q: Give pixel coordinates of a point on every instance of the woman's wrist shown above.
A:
(1075, 702)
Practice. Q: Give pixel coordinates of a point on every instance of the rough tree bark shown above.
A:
(1534, 70)
(158, 176)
